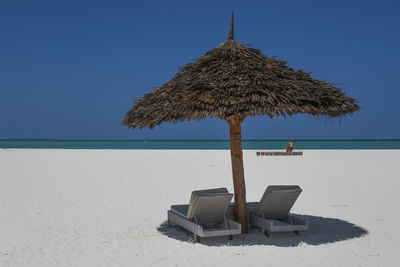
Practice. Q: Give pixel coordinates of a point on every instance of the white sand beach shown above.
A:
(109, 208)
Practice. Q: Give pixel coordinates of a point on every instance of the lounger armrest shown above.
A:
(185, 223)
(300, 221)
(234, 225)
(260, 222)
(272, 225)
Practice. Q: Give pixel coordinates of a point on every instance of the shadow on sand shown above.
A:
(322, 231)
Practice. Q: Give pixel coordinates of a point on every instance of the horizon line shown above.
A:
(191, 140)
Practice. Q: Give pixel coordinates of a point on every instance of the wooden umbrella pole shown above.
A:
(238, 172)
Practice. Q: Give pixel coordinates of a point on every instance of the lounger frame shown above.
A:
(291, 223)
(206, 214)
(227, 228)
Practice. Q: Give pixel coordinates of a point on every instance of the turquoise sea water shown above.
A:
(249, 144)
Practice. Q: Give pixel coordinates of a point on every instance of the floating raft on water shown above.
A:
(280, 153)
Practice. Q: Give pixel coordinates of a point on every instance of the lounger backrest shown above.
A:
(209, 206)
(277, 201)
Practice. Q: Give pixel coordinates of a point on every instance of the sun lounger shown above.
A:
(272, 213)
(205, 216)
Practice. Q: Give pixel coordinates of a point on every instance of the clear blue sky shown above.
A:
(71, 69)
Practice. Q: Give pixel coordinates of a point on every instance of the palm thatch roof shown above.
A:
(236, 80)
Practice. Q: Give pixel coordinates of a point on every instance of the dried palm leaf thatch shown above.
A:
(236, 80)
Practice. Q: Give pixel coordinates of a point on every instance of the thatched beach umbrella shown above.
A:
(232, 82)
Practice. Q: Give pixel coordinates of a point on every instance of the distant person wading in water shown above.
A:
(290, 147)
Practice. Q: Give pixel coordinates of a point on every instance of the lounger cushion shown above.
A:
(209, 206)
(277, 201)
